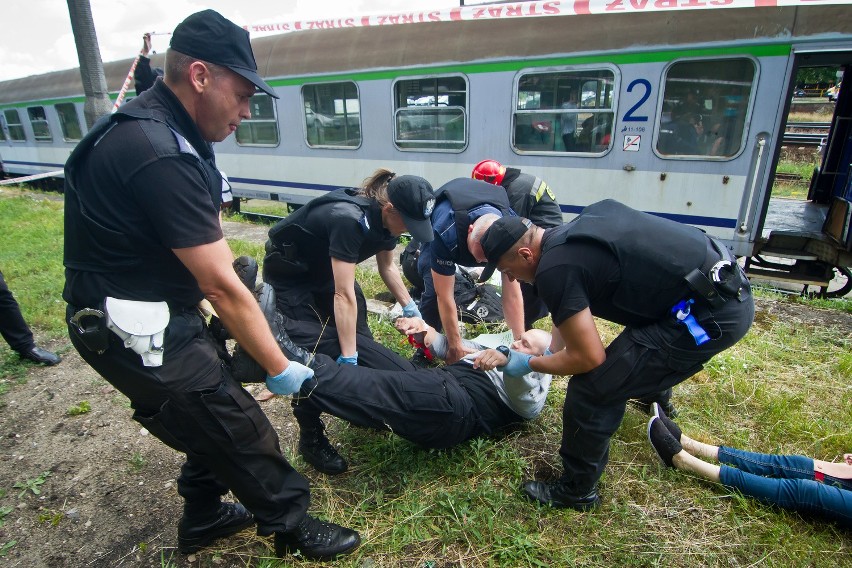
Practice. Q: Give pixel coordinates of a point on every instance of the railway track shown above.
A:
(792, 136)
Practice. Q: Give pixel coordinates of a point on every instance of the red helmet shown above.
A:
(490, 171)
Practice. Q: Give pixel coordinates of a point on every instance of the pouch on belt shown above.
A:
(140, 325)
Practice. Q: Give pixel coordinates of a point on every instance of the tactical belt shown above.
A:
(719, 277)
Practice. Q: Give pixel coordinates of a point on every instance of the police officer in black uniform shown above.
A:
(463, 209)
(680, 295)
(17, 333)
(143, 246)
(312, 253)
(530, 197)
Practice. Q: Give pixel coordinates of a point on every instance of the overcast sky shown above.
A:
(37, 36)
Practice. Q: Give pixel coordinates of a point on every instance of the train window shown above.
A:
(262, 128)
(69, 121)
(431, 114)
(332, 115)
(704, 107)
(38, 120)
(565, 111)
(13, 123)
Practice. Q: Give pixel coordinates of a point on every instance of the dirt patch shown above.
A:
(110, 497)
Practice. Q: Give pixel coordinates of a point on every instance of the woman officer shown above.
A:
(311, 254)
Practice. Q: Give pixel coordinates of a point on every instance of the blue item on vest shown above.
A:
(682, 311)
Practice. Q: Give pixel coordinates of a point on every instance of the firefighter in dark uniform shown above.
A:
(143, 246)
(312, 253)
(680, 295)
(529, 197)
(463, 210)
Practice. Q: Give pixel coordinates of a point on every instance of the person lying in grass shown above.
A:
(435, 408)
(792, 482)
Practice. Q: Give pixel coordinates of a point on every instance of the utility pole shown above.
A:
(89, 55)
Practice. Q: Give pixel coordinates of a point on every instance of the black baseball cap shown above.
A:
(413, 197)
(499, 238)
(211, 37)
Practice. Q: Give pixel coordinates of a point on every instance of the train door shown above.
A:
(804, 243)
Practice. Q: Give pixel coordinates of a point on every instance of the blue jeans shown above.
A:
(788, 482)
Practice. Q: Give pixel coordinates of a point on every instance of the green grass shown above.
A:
(262, 206)
(784, 388)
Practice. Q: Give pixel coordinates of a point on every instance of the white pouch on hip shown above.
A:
(140, 325)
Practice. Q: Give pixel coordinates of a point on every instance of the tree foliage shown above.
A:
(816, 76)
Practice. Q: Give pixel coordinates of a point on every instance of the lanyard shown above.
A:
(683, 312)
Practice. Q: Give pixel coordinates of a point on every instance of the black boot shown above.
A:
(246, 269)
(559, 495)
(290, 349)
(229, 519)
(317, 540)
(316, 449)
(265, 296)
(244, 368)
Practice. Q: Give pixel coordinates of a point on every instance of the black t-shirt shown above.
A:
(343, 231)
(160, 203)
(579, 275)
(493, 412)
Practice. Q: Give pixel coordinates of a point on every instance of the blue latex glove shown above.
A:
(353, 360)
(518, 365)
(411, 310)
(290, 380)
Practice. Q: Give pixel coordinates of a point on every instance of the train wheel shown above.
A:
(838, 287)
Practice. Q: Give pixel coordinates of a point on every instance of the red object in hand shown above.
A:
(419, 345)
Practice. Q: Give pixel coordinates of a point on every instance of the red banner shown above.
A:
(525, 10)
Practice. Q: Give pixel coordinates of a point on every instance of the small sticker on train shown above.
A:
(631, 143)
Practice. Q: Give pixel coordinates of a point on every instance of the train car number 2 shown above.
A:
(630, 115)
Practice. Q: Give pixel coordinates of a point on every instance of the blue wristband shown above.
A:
(353, 360)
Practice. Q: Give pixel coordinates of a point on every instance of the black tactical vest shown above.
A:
(292, 228)
(89, 246)
(465, 194)
(654, 254)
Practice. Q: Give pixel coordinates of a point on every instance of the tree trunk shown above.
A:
(91, 66)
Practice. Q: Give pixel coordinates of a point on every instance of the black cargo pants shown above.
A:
(192, 404)
(301, 298)
(426, 406)
(14, 329)
(639, 362)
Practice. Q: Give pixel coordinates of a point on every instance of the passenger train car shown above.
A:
(678, 113)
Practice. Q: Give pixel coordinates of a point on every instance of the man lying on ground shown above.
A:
(435, 408)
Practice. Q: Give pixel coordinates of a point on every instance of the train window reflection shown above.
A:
(13, 123)
(69, 121)
(565, 111)
(262, 128)
(38, 120)
(431, 114)
(332, 115)
(705, 107)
